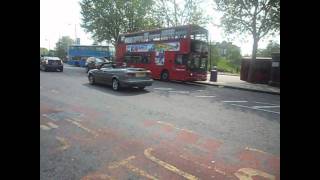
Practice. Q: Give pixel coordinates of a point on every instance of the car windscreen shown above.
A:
(99, 60)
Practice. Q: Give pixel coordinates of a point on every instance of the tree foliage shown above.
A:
(62, 46)
(171, 13)
(271, 48)
(43, 51)
(106, 19)
(225, 55)
(255, 17)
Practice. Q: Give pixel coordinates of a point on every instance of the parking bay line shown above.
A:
(266, 107)
(181, 92)
(163, 89)
(265, 103)
(235, 101)
(255, 108)
(204, 96)
(52, 125)
(44, 127)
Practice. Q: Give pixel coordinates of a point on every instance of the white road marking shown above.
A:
(256, 150)
(266, 103)
(255, 108)
(44, 127)
(265, 107)
(201, 90)
(234, 101)
(79, 120)
(182, 92)
(54, 91)
(167, 89)
(204, 96)
(52, 125)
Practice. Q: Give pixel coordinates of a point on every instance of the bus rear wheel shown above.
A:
(165, 76)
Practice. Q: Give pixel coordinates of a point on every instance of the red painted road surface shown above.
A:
(165, 151)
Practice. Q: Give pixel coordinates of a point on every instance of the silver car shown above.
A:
(120, 76)
(94, 63)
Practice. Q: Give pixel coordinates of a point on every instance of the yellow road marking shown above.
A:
(121, 163)
(63, 142)
(147, 153)
(139, 171)
(219, 171)
(132, 168)
(83, 127)
(102, 176)
(248, 173)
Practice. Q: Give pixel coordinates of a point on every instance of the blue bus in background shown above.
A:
(77, 54)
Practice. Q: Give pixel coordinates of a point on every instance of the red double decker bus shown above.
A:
(177, 53)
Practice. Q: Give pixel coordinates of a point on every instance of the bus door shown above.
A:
(179, 69)
(157, 64)
(170, 65)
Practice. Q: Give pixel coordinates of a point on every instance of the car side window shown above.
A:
(106, 66)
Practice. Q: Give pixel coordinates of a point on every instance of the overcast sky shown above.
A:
(62, 18)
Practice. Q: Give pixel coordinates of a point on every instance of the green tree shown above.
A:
(171, 13)
(234, 56)
(52, 53)
(43, 51)
(271, 47)
(225, 55)
(106, 19)
(255, 17)
(213, 55)
(62, 46)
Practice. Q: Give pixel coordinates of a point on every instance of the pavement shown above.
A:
(170, 130)
(233, 81)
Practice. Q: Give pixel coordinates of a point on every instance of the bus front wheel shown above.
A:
(165, 76)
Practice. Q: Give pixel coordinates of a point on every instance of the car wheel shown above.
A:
(91, 79)
(45, 69)
(61, 69)
(165, 76)
(141, 88)
(115, 84)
